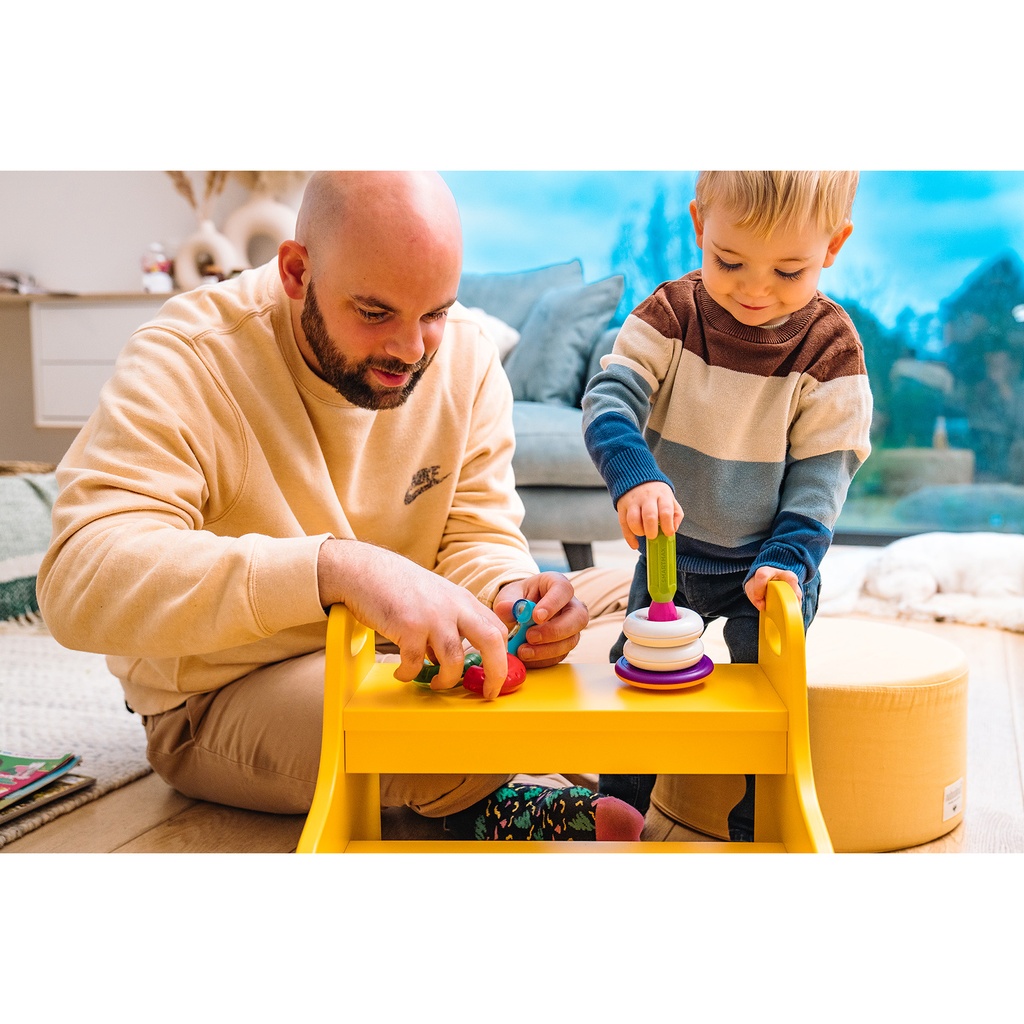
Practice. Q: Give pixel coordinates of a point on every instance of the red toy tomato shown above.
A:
(473, 678)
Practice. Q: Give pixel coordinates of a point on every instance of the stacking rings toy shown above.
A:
(663, 649)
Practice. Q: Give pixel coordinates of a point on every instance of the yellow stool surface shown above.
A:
(562, 715)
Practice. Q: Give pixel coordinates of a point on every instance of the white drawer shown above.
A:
(71, 331)
(74, 347)
(67, 394)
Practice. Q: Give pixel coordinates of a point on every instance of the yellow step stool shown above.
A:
(742, 719)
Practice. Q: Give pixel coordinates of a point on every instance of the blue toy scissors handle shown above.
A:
(522, 610)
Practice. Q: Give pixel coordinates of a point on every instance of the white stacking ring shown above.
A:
(663, 659)
(651, 633)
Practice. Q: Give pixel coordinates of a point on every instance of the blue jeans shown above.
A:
(711, 597)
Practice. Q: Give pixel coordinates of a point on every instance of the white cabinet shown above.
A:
(74, 344)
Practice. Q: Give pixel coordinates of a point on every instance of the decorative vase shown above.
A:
(262, 221)
(206, 247)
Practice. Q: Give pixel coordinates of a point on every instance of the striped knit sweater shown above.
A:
(758, 430)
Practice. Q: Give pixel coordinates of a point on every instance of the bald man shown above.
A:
(328, 428)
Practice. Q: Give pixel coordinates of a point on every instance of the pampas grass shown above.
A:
(273, 183)
(213, 186)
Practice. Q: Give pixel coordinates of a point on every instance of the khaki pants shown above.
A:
(256, 742)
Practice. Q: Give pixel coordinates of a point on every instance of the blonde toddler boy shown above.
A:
(737, 393)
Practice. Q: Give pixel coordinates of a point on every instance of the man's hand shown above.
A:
(425, 615)
(756, 587)
(645, 508)
(559, 618)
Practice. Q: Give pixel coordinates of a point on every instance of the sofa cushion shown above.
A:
(510, 297)
(26, 501)
(549, 447)
(504, 337)
(549, 364)
(581, 515)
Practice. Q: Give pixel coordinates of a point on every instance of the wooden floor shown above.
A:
(147, 816)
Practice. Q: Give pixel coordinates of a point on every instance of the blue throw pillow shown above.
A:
(510, 297)
(551, 360)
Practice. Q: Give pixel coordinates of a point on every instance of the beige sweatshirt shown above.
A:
(194, 502)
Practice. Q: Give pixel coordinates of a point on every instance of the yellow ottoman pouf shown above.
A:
(888, 723)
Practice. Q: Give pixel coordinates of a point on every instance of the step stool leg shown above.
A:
(345, 807)
(786, 808)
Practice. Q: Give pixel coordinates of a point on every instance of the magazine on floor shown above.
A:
(63, 786)
(22, 774)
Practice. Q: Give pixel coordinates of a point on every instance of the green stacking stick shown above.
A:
(661, 577)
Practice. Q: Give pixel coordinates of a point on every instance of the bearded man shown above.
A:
(328, 428)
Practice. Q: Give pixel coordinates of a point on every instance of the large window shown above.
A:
(931, 276)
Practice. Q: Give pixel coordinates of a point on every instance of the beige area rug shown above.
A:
(53, 701)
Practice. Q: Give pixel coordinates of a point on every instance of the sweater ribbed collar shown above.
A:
(721, 320)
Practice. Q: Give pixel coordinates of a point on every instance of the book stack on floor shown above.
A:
(28, 783)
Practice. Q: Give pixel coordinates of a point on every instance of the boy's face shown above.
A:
(761, 280)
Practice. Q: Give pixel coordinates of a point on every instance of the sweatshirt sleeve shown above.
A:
(134, 563)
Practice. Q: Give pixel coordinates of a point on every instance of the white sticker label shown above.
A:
(952, 799)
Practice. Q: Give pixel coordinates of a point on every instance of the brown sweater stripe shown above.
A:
(764, 352)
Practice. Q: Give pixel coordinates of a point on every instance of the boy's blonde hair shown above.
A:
(766, 200)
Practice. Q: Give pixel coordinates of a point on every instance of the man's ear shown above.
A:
(836, 243)
(293, 266)
(698, 224)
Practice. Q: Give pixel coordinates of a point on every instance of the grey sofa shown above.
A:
(565, 325)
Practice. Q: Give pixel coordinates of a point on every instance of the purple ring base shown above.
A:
(672, 680)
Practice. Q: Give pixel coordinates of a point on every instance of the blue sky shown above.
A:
(917, 234)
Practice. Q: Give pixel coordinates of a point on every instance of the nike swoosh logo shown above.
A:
(417, 489)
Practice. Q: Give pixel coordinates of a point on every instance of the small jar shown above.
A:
(156, 270)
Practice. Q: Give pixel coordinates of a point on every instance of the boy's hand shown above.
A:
(757, 586)
(644, 509)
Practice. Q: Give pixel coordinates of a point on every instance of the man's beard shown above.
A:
(350, 379)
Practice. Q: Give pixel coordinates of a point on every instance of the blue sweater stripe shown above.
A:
(797, 543)
(621, 454)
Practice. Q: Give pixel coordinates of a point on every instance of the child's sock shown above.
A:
(516, 811)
